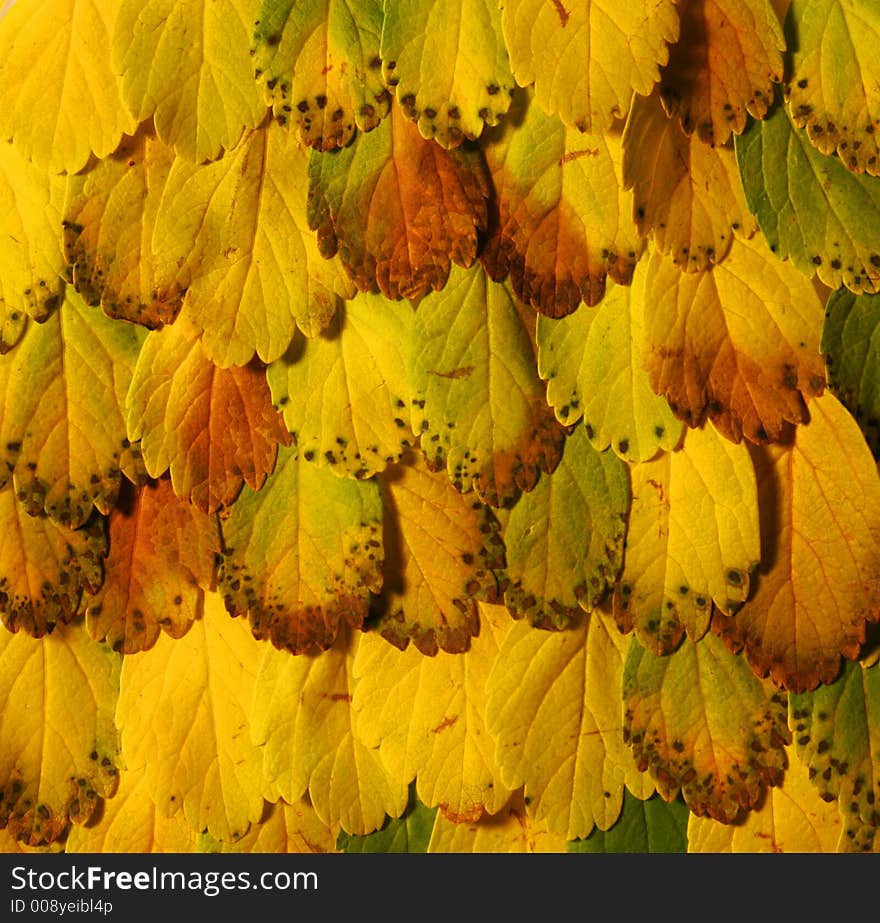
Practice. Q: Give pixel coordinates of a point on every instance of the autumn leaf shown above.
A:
(701, 722)
(692, 539)
(186, 65)
(214, 429)
(60, 754)
(398, 209)
(737, 344)
(426, 718)
(723, 67)
(687, 195)
(649, 826)
(448, 63)
(564, 540)
(59, 97)
(62, 429)
(304, 723)
(565, 221)
(283, 828)
(302, 554)
(183, 713)
(44, 567)
(592, 362)
(318, 64)
(108, 219)
(443, 552)
(343, 393)
(586, 60)
(834, 88)
(238, 229)
(477, 400)
(818, 584)
(810, 207)
(555, 712)
(409, 833)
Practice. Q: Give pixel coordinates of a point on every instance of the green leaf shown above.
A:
(651, 826)
(409, 833)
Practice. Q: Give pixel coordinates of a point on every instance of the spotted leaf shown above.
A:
(283, 828)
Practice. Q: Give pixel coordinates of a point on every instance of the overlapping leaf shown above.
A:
(738, 343)
(586, 60)
(701, 722)
(819, 581)
(409, 833)
(443, 552)
(214, 429)
(60, 753)
(834, 89)
(592, 361)
(565, 221)
(283, 828)
(477, 399)
(186, 64)
(343, 394)
(302, 554)
(448, 62)
(398, 209)
(564, 540)
(318, 63)
(649, 826)
(62, 429)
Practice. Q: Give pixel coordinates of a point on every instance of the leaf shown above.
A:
(284, 828)
(161, 560)
(512, 830)
(184, 714)
(851, 357)
(238, 227)
(214, 429)
(564, 540)
(587, 59)
(836, 49)
(108, 219)
(398, 209)
(477, 399)
(555, 713)
(443, 552)
(31, 264)
(592, 363)
(410, 833)
(426, 718)
(792, 819)
(45, 568)
(650, 826)
(692, 539)
(819, 582)
(810, 207)
(59, 97)
(59, 756)
(836, 734)
(302, 554)
(448, 63)
(186, 64)
(687, 195)
(318, 63)
(737, 344)
(701, 722)
(565, 221)
(723, 67)
(343, 393)
(62, 430)
(304, 723)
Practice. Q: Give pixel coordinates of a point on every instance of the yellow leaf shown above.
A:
(184, 715)
(59, 754)
(286, 828)
(59, 97)
(426, 716)
(820, 576)
(555, 712)
(723, 68)
(303, 721)
(586, 59)
(214, 429)
(186, 64)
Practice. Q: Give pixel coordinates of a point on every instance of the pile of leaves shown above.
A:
(439, 424)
